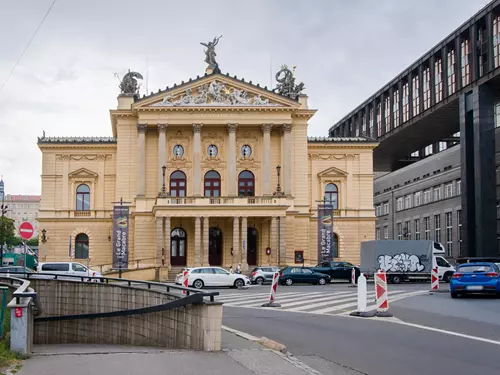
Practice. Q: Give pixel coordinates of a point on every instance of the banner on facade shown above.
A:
(325, 232)
(120, 237)
(70, 247)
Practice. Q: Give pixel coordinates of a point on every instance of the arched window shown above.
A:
(335, 245)
(246, 184)
(83, 198)
(332, 195)
(82, 246)
(212, 184)
(178, 247)
(178, 184)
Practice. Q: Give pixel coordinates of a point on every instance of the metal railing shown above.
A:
(23, 290)
(220, 200)
(137, 263)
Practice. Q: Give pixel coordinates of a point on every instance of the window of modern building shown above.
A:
(451, 72)
(465, 62)
(428, 150)
(482, 53)
(387, 114)
(370, 122)
(395, 107)
(82, 246)
(212, 184)
(416, 228)
(415, 96)
(178, 184)
(399, 228)
(459, 189)
(427, 196)
(437, 228)
(246, 186)
(449, 233)
(448, 190)
(442, 146)
(386, 232)
(363, 123)
(407, 231)
(406, 106)
(437, 193)
(379, 119)
(356, 130)
(496, 41)
(459, 220)
(426, 84)
(378, 210)
(377, 233)
(417, 198)
(408, 202)
(415, 154)
(83, 198)
(386, 208)
(399, 204)
(427, 227)
(438, 80)
(497, 114)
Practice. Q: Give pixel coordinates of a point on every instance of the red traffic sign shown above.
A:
(18, 312)
(26, 230)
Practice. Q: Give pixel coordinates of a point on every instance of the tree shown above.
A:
(33, 242)
(7, 230)
(15, 241)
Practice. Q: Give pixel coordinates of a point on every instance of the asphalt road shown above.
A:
(377, 347)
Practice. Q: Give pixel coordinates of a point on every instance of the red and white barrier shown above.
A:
(434, 276)
(381, 293)
(185, 281)
(272, 294)
(353, 277)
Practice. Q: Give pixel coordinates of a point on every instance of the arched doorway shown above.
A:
(178, 241)
(215, 247)
(252, 236)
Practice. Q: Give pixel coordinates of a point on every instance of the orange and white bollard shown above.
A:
(185, 281)
(382, 294)
(353, 277)
(272, 294)
(434, 276)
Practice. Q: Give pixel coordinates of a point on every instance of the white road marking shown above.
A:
(249, 302)
(310, 298)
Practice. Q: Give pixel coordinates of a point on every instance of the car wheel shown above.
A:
(288, 282)
(395, 279)
(454, 295)
(259, 281)
(447, 277)
(322, 281)
(198, 284)
(239, 283)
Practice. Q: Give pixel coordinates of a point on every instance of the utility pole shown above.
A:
(4, 209)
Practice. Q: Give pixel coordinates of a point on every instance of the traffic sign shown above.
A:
(26, 230)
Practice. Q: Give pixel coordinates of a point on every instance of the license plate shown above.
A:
(474, 287)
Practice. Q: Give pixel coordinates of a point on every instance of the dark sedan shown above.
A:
(302, 275)
(337, 270)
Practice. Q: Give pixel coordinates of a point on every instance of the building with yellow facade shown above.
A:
(197, 165)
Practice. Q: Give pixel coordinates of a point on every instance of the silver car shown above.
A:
(260, 275)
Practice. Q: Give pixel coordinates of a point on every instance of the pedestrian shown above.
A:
(238, 269)
(231, 269)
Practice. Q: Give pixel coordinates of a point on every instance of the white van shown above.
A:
(66, 268)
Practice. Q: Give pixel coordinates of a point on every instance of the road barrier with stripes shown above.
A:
(353, 277)
(185, 280)
(272, 294)
(434, 276)
(381, 294)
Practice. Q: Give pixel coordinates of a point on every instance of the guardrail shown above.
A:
(23, 291)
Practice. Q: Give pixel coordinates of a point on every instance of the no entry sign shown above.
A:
(26, 230)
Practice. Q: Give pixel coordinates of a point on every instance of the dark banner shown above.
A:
(325, 232)
(120, 237)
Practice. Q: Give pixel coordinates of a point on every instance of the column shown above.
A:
(166, 245)
(274, 241)
(162, 152)
(159, 240)
(236, 241)
(232, 181)
(141, 163)
(197, 159)
(282, 243)
(197, 241)
(244, 243)
(266, 159)
(206, 231)
(287, 158)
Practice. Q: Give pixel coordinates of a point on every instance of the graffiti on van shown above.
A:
(402, 262)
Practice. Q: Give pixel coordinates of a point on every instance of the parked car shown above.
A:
(67, 268)
(337, 270)
(476, 277)
(200, 277)
(260, 275)
(14, 271)
(291, 275)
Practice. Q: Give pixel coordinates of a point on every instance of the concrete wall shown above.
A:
(190, 327)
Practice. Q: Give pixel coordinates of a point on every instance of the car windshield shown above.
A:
(475, 268)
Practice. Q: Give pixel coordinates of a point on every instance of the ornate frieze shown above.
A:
(90, 157)
(333, 156)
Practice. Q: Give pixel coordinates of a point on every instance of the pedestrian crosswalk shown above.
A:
(329, 303)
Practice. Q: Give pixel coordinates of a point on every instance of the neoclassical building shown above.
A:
(215, 171)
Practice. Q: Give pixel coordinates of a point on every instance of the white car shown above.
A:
(67, 268)
(200, 277)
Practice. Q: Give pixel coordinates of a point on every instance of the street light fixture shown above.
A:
(44, 236)
(4, 208)
(163, 192)
(278, 191)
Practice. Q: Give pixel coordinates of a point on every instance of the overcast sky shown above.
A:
(344, 51)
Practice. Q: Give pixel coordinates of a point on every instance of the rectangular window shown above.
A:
(438, 80)
(428, 150)
(417, 197)
(448, 190)
(465, 62)
(415, 96)
(386, 208)
(386, 233)
(427, 228)
(437, 228)
(496, 41)
(363, 124)
(408, 201)
(451, 72)
(406, 107)
(407, 231)
(356, 130)
(395, 107)
(399, 228)
(482, 50)
(387, 114)
(379, 119)
(437, 193)
(497, 114)
(449, 234)
(459, 220)
(427, 196)
(377, 233)
(378, 210)
(370, 122)
(399, 204)
(416, 228)
(459, 189)
(426, 83)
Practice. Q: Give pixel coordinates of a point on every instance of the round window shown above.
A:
(178, 151)
(212, 151)
(246, 151)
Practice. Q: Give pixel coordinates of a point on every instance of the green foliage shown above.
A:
(7, 230)
(33, 242)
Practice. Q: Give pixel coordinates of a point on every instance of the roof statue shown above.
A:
(286, 83)
(129, 85)
(210, 53)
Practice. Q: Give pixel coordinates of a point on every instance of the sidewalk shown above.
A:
(239, 356)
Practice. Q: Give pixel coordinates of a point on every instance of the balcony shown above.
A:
(82, 213)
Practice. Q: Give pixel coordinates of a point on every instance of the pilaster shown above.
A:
(231, 161)
(162, 152)
(141, 163)
(197, 159)
(266, 159)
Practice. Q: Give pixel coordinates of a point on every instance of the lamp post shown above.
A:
(44, 235)
(4, 209)
(163, 192)
(278, 191)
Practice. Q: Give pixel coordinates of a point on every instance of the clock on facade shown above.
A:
(178, 151)
(246, 151)
(212, 151)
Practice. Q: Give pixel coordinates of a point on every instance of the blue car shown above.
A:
(477, 277)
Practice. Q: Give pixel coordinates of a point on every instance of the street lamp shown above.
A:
(4, 209)
(278, 191)
(163, 192)
(44, 236)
